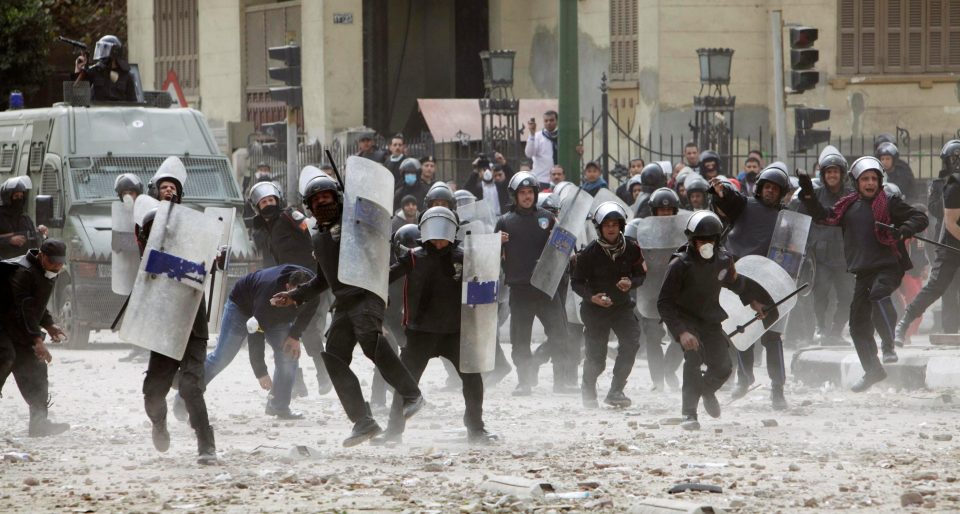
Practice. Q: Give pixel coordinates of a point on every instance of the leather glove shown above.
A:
(905, 232)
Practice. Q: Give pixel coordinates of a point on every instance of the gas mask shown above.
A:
(128, 201)
(706, 251)
(409, 179)
(487, 176)
(51, 274)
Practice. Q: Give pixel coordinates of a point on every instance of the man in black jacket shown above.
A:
(875, 255)
(432, 302)
(485, 189)
(109, 75)
(689, 305)
(17, 231)
(524, 232)
(603, 275)
(26, 284)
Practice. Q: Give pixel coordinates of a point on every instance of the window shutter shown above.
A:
(913, 38)
(953, 36)
(935, 39)
(893, 37)
(847, 57)
(869, 34)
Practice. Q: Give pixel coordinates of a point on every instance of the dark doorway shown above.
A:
(419, 49)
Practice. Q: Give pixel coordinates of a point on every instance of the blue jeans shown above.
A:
(233, 332)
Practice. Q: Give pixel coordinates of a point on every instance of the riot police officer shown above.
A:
(826, 249)
(432, 288)
(26, 284)
(109, 75)
(410, 183)
(17, 231)
(357, 318)
(947, 262)
(709, 167)
(696, 192)
(524, 232)
(689, 305)
(167, 184)
(653, 176)
(876, 256)
(754, 219)
(604, 274)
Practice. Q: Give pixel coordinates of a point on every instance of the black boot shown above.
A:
(900, 337)
(524, 380)
(40, 425)
(364, 429)
(481, 437)
(206, 446)
(777, 399)
(690, 423)
(161, 438)
(711, 404)
(889, 354)
(869, 378)
(588, 393)
(397, 377)
(616, 398)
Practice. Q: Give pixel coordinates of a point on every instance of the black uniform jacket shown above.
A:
(432, 288)
(594, 272)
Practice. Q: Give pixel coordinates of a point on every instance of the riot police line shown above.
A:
(715, 272)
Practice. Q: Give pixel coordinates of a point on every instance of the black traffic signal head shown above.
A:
(801, 81)
(804, 59)
(808, 137)
(289, 74)
(276, 130)
(803, 37)
(288, 54)
(807, 116)
(290, 95)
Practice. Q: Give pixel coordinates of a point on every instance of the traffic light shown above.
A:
(276, 130)
(802, 59)
(807, 136)
(289, 74)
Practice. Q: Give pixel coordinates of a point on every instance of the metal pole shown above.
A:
(292, 168)
(605, 135)
(780, 105)
(569, 90)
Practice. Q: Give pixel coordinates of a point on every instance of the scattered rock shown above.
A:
(910, 498)
(433, 467)
(31, 481)
(599, 504)
(942, 437)
(811, 503)
(925, 475)
(795, 467)
(769, 422)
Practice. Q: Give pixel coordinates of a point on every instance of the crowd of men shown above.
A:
(583, 276)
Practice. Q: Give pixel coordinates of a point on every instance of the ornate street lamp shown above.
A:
(499, 110)
(713, 122)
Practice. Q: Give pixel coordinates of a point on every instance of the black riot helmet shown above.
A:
(20, 184)
(464, 197)
(520, 180)
(262, 190)
(950, 156)
(703, 225)
(775, 173)
(830, 160)
(694, 183)
(888, 148)
(440, 192)
(665, 198)
(318, 185)
(405, 238)
(439, 223)
(609, 210)
(652, 176)
(410, 165)
(127, 182)
(107, 46)
(710, 155)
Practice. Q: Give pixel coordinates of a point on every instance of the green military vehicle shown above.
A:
(73, 154)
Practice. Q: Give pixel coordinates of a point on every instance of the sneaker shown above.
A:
(690, 423)
(270, 410)
(890, 356)
(869, 378)
(208, 458)
(711, 404)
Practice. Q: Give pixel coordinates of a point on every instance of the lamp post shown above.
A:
(499, 110)
(713, 122)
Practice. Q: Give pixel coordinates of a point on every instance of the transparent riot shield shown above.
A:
(478, 311)
(789, 242)
(171, 280)
(124, 253)
(365, 238)
(777, 284)
(217, 297)
(477, 212)
(555, 256)
(659, 237)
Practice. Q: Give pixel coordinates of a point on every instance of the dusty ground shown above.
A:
(832, 451)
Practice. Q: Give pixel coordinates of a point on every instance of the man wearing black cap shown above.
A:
(26, 284)
(428, 170)
(366, 148)
(408, 213)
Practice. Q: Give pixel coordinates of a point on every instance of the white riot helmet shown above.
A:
(107, 46)
(863, 164)
(439, 223)
(262, 190)
(172, 169)
(609, 210)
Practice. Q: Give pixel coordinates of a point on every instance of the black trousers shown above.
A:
(28, 371)
(773, 345)
(527, 302)
(872, 311)
(355, 321)
(714, 354)
(941, 277)
(597, 324)
(161, 371)
(420, 348)
(660, 360)
(837, 281)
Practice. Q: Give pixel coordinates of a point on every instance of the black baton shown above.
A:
(741, 328)
(925, 240)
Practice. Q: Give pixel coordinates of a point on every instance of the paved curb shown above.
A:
(919, 367)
